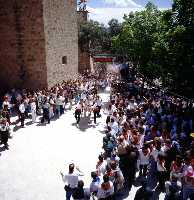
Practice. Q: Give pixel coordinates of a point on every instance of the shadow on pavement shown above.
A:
(85, 123)
(16, 128)
(2, 149)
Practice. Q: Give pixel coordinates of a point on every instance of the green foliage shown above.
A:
(160, 43)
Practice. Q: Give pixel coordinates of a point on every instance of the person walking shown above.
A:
(78, 111)
(4, 132)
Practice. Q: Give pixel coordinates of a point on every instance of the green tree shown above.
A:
(138, 35)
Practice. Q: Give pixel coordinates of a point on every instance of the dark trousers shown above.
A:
(98, 112)
(77, 116)
(45, 116)
(69, 193)
(143, 168)
(4, 137)
(61, 109)
(95, 115)
(22, 119)
(161, 179)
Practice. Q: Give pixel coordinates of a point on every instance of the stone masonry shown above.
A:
(35, 37)
(83, 55)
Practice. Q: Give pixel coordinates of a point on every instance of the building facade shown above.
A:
(38, 42)
(83, 52)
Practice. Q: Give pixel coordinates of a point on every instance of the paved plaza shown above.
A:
(30, 169)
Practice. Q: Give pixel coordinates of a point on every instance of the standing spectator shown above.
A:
(71, 180)
(144, 156)
(46, 115)
(79, 193)
(188, 187)
(94, 184)
(22, 113)
(161, 171)
(173, 188)
(101, 165)
(33, 109)
(106, 189)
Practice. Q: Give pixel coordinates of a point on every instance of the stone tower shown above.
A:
(38, 42)
(83, 55)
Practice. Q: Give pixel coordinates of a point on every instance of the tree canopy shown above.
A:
(159, 43)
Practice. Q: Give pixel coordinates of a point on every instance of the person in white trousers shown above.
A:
(33, 110)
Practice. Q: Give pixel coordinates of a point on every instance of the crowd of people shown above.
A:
(148, 136)
(148, 141)
(42, 106)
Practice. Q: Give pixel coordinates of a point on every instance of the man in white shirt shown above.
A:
(22, 113)
(99, 105)
(71, 180)
(144, 156)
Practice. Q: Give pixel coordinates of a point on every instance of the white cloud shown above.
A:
(122, 3)
(104, 15)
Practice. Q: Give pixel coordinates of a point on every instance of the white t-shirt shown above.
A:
(22, 108)
(6, 103)
(4, 127)
(71, 179)
(102, 168)
(155, 153)
(33, 106)
(94, 186)
(59, 101)
(144, 159)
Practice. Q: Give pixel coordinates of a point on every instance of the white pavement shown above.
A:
(30, 169)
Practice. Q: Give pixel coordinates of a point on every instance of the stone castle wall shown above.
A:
(83, 55)
(9, 68)
(61, 33)
(22, 43)
(34, 36)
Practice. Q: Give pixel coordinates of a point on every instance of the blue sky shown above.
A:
(104, 10)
